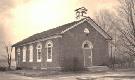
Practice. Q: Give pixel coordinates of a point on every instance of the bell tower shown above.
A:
(80, 13)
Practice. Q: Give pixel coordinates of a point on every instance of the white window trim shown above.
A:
(90, 47)
(49, 60)
(18, 51)
(89, 43)
(18, 55)
(86, 30)
(49, 42)
(38, 60)
(31, 53)
(24, 54)
(39, 44)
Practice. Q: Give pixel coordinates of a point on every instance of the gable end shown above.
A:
(94, 25)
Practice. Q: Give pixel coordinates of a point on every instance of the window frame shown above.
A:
(90, 46)
(31, 53)
(39, 49)
(47, 48)
(18, 51)
(86, 30)
(24, 54)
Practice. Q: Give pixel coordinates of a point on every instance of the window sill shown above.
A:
(38, 60)
(23, 61)
(31, 61)
(49, 60)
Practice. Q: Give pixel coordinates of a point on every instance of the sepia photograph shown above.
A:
(67, 39)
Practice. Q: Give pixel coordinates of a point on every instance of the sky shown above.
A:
(20, 19)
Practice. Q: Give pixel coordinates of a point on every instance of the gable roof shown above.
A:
(94, 24)
(60, 30)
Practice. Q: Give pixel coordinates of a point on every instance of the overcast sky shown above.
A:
(22, 18)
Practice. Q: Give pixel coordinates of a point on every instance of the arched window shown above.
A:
(87, 45)
(86, 30)
(18, 51)
(18, 55)
(24, 54)
(31, 53)
(39, 52)
(49, 46)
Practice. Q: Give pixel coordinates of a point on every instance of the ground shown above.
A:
(109, 75)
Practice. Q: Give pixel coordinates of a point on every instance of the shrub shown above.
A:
(3, 68)
(18, 68)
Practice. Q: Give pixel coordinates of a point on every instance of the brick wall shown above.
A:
(72, 46)
(68, 52)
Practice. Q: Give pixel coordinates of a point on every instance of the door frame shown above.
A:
(89, 46)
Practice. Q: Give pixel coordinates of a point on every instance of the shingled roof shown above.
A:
(48, 33)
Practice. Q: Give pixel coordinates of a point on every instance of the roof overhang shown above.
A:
(39, 40)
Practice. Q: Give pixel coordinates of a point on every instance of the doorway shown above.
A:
(87, 53)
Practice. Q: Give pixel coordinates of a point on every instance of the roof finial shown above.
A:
(80, 12)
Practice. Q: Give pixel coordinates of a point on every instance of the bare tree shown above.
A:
(107, 21)
(126, 26)
(9, 55)
(113, 25)
(126, 12)
(124, 23)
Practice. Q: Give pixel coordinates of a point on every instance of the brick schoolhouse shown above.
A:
(79, 44)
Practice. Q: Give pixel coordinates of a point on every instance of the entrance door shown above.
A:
(87, 53)
(87, 57)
